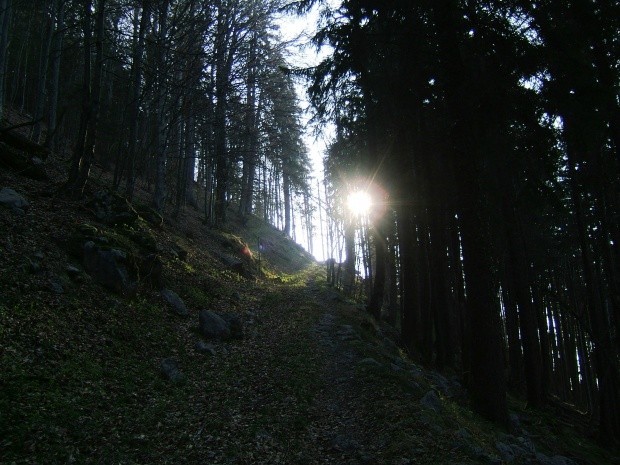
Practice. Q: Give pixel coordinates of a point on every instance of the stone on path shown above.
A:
(235, 325)
(170, 370)
(213, 326)
(108, 268)
(204, 348)
(9, 198)
(175, 302)
(431, 401)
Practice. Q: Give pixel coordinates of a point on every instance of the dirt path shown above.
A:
(335, 429)
(342, 428)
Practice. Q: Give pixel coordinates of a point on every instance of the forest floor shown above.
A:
(313, 380)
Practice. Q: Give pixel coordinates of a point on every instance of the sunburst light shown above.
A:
(359, 202)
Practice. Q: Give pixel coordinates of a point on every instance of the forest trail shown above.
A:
(314, 380)
(363, 401)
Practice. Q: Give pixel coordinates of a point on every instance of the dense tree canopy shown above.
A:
(188, 98)
(493, 129)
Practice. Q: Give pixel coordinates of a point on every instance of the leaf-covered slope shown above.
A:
(313, 380)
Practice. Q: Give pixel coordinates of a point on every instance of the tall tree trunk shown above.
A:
(223, 67)
(286, 188)
(349, 266)
(79, 150)
(515, 354)
(381, 256)
(190, 161)
(545, 344)
(136, 78)
(440, 293)
(487, 366)
(605, 359)
(488, 387)
(410, 293)
(251, 142)
(392, 273)
(43, 67)
(84, 152)
(528, 322)
(159, 195)
(56, 54)
(5, 23)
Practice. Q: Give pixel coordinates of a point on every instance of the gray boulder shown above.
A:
(431, 401)
(175, 302)
(12, 200)
(112, 209)
(235, 325)
(555, 460)
(369, 362)
(204, 348)
(152, 269)
(108, 268)
(169, 368)
(213, 326)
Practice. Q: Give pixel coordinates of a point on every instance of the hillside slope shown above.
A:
(102, 369)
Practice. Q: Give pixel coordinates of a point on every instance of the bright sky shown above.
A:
(298, 30)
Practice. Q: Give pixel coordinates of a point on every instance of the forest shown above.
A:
(486, 134)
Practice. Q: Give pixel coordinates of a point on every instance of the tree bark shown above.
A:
(42, 78)
(381, 256)
(55, 58)
(134, 109)
(5, 23)
(91, 89)
(159, 195)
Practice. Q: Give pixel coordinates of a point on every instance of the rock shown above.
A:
(176, 303)
(514, 423)
(13, 201)
(343, 443)
(204, 348)
(55, 287)
(234, 264)
(152, 270)
(141, 236)
(34, 266)
(150, 215)
(526, 444)
(170, 370)
(417, 373)
(73, 271)
(19, 153)
(431, 401)
(112, 209)
(235, 325)
(347, 333)
(180, 252)
(395, 367)
(108, 268)
(213, 326)
(369, 362)
(440, 382)
(555, 460)
(390, 345)
(515, 449)
(505, 451)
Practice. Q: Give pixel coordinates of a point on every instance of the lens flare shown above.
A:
(359, 202)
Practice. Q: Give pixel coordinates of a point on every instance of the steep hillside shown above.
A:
(252, 359)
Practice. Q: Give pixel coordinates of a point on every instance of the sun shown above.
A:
(359, 203)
